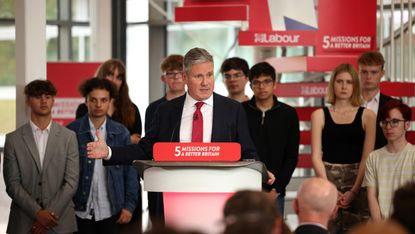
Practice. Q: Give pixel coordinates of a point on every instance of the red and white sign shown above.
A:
(67, 77)
(191, 152)
(277, 38)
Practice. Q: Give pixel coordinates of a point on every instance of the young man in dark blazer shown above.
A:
(371, 70)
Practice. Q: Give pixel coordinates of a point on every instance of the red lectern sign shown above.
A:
(201, 152)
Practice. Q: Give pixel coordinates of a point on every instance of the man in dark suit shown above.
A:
(315, 205)
(224, 120)
(371, 70)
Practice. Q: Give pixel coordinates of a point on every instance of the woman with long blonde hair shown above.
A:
(342, 136)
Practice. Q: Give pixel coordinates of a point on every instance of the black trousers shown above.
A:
(90, 226)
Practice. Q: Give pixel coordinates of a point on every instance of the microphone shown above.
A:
(195, 116)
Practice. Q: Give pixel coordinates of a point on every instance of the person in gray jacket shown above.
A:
(41, 168)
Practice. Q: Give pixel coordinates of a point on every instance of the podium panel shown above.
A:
(195, 211)
(194, 193)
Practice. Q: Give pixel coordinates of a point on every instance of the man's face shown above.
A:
(98, 102)
(370, 76)
(394, 127)
(41, 105)
(174, 80)
(235, 81)
(200, 81)
(263, 87)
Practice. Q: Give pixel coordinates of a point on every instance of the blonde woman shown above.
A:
(342, 136)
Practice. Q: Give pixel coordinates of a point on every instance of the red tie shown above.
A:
(197, 127)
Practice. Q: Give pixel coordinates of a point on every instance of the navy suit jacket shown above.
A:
(229, 125)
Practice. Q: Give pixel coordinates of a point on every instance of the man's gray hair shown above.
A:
(196, 56)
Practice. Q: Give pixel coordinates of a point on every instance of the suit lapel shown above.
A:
(31, 145)
(176, 118)
(216, 125)
(51, 145)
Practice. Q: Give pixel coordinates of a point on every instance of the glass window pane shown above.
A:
(52, 42)
(51, 10)
(7, 56)
(137, 11)
(80, 10)
(217, 38)
(7, 9)
(137, 65)
(81, 37)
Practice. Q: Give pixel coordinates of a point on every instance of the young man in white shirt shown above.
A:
(393, 165)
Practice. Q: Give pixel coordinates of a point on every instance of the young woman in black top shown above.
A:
(342, 136)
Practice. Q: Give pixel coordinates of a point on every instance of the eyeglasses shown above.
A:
(393, 123)
(235, 75)
(172, 74)
(257, 83)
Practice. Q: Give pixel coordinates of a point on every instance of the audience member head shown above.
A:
(262, 77)
(252, 212)
(114, 71)
(95, 83)
(199, 74)
(39, 87)
(371, 70)
(262, 69)
(235, 72)
(395, 118)
(172, 69)
(384, 227)
(404, 206)
(316, 201)
(40, 97)
(404, 109)
(344, 71)
(98, 94)
(372, 58)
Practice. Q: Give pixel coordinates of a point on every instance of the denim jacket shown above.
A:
(122, 180)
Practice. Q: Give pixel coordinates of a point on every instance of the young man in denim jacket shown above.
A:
(106, 195)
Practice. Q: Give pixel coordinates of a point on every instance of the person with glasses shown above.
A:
(172, 75)
(235, 76)
(393, 165)
(274, 128)
(371, 71)
(342, 136)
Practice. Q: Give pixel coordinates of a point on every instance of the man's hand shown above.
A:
(46, 218)
(125, 216)
(271, 178)
(37, 228)
(97, 149)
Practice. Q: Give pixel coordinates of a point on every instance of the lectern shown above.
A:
(195, 192)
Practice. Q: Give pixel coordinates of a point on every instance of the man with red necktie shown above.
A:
(218, 119)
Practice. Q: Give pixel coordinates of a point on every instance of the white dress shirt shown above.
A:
(186, 123)
(372, 104)
(41, 139)
(98, 204)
